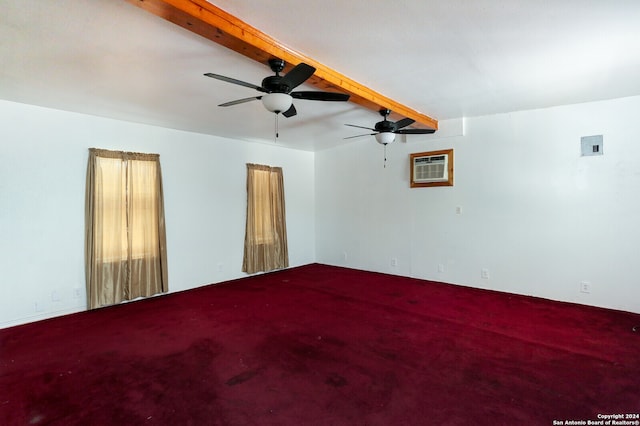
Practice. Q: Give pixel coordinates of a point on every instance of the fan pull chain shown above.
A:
(276, 139)
(385, 156)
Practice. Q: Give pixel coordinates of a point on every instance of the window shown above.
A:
(265, 244)
(125, 235)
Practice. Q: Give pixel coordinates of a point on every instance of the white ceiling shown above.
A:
(446, 59)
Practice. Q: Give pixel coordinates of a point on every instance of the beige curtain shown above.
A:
(125, 248)
(265, 242)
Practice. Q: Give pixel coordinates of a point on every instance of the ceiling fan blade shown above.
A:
(240, 101)
(415, 131)
(290, 112)
(320, 96)
(359, 136)
(404, 123)
(360, 127)
(298, 75)
(234, 81)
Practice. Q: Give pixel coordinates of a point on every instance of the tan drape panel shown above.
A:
(265, 242)
(125, 248)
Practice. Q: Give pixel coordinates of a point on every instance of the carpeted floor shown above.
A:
(321, 345)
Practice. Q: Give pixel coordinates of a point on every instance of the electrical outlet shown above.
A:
(76, 293)
(440, 267)
(484, 273)
(344, 256)
(394, 261)
(585, 287)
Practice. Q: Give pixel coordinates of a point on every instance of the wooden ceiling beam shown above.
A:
(213, 23)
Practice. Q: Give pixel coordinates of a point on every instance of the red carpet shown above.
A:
(320, 345)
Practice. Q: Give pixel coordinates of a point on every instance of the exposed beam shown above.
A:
(213, 23)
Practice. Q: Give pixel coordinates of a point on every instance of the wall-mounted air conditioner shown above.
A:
(433, 168)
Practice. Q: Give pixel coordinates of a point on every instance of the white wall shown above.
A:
(534, 213)
(43, 160)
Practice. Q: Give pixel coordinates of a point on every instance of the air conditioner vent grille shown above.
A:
(430, 169)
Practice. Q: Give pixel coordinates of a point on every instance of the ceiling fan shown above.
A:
(279, 88)
(386, 131)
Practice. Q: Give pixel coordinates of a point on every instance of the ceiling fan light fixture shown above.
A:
(277, 102)
(385, 138)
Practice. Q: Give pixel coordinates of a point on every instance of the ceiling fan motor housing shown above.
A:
(385, 126)
(273, 84)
